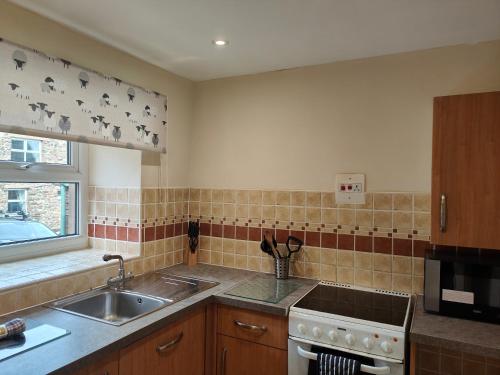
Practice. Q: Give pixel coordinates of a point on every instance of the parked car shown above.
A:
(13, 230)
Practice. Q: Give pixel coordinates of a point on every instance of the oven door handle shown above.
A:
(364, 368)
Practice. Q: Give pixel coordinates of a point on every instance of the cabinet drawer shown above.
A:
(253, 326)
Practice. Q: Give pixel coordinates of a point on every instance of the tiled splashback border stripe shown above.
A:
(378, 244)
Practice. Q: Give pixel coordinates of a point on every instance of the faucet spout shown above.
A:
(117, 282)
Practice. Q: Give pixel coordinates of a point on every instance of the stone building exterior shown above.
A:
(40, 201)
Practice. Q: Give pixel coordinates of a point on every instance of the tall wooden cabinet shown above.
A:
(466, 171)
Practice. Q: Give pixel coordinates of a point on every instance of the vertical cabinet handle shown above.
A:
(223, 362)
(442, 213)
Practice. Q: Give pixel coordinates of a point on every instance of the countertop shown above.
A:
(89, 340)
(455, 334)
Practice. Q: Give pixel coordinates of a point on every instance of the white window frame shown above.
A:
(76, 172)
(24, 200)
(25, 150)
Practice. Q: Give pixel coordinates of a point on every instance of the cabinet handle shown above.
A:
(223, 361)
(250, 327)
(442, 213)
(168, 345)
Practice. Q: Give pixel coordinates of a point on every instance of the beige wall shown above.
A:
(114, 167)
(295, 129)
(292, 129)
(27, 28)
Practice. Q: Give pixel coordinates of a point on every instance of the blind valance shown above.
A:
(45, 96)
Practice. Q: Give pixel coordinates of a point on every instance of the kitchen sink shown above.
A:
(111, 306)
(143, 295)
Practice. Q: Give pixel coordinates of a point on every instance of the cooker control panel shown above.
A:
(349, 335)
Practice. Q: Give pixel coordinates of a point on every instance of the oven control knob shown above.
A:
(386, 347)
(368, 343)
(350, 339)
(317, 332)
(301, 328)
(332, 335)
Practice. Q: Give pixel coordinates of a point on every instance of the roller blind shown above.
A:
(47, 96)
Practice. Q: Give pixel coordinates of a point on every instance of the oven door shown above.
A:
(299, 355)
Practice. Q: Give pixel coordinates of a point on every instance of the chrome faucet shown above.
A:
(118, 282)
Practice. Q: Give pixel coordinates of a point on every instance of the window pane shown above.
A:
(17, 144)
(31, 157)
(33, 145)
(17, 156)
(44, 150)
(15, 195)
(14, 207)
(48, 212)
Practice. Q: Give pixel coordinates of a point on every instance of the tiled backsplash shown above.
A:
(151, 219)
(435, 360)
(378, 244)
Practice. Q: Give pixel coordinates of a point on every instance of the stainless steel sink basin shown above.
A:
(110, 306)
(118, 307)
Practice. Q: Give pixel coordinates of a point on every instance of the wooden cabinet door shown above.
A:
(106, 366)
(466, 170)
(178, 349)
(240, 357)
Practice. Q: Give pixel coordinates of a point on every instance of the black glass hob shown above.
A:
(355, 303)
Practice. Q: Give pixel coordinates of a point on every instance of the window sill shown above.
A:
(25, 272)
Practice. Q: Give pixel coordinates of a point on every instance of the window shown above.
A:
(16, 201)
(27, 150)
(42, 196)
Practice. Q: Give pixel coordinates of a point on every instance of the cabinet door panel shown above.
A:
(178, 349)
(240, 357)
(106, 366)
(466, 169)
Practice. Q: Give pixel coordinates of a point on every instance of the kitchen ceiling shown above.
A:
(266, 35)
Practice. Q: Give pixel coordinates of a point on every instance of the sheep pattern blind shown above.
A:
(51, 97)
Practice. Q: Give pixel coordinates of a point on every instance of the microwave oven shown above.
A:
(463, 283)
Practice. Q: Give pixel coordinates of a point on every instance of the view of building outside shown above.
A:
(52, 204)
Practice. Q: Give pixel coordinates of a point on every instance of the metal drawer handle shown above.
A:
(168, 345)
(251, 327)
(442, 213)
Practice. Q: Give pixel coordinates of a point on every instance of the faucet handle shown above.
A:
(108, 257)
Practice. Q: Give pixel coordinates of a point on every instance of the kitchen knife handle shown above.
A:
(442, 213)
(170, 344)
(223, 361)
(251, 327)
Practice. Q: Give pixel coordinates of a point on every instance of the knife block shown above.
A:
(190, 258)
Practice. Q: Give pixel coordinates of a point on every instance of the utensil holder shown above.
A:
(281, 267)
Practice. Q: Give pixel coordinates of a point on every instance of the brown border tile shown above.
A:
(346, 241)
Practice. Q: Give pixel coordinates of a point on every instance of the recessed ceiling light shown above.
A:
(220, 42)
